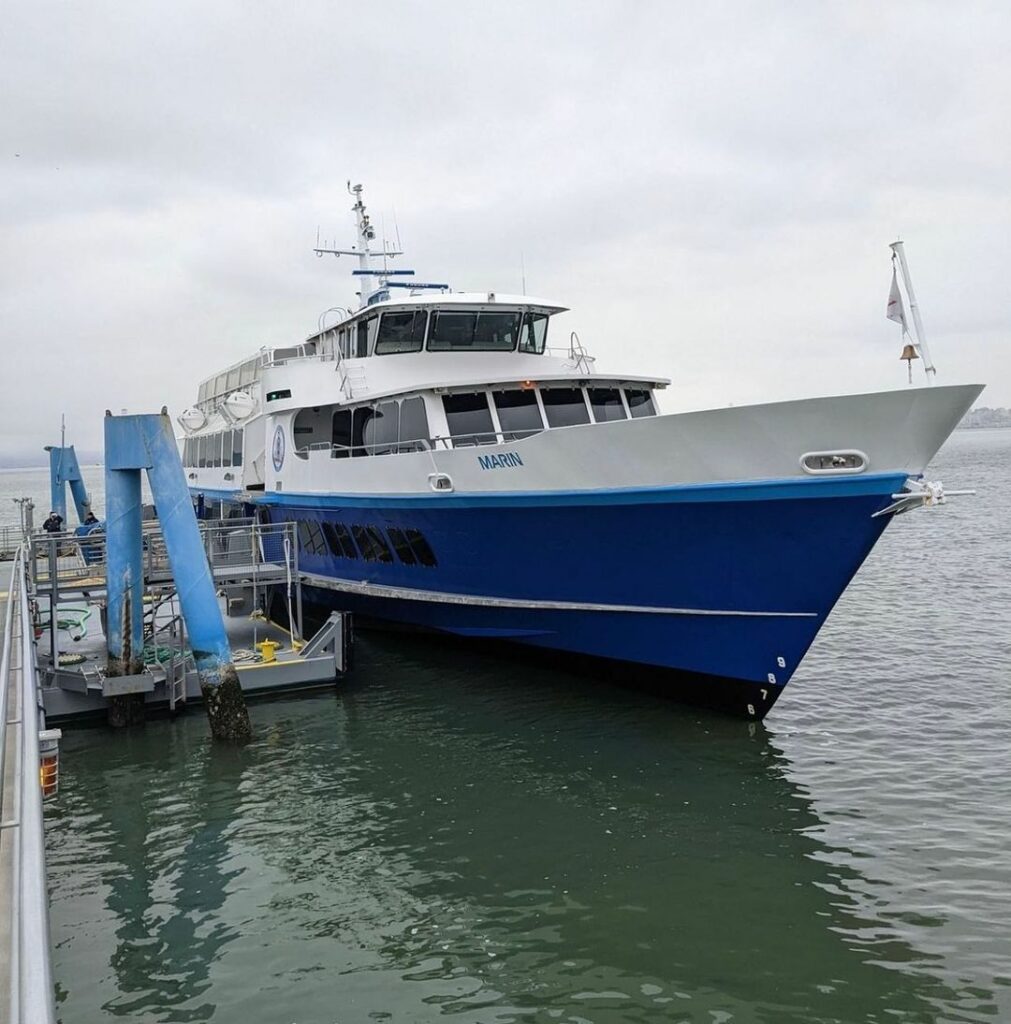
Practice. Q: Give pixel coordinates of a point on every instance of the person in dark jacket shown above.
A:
(54, 524)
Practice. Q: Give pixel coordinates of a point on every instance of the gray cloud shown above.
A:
(711, 189)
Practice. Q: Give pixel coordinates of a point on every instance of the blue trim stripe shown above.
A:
(869, 484)
(740, 490)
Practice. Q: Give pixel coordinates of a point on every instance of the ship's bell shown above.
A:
(909, 354)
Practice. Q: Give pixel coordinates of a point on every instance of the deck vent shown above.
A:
(834, 463)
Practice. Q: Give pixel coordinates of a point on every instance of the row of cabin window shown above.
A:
(325, 538)
(382, 429)
(397, 425)
(213, 450)
(446, 330)
(519, 412)
(230, 380)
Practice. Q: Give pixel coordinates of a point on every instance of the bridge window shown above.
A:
(606, 404)
(455, 330)
(518, 413)
(565, 407)
(469, 419)
(401, 332)
(366, 336)
(640, 402)
(534, 333)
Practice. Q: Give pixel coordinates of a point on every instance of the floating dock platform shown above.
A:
(254, 569)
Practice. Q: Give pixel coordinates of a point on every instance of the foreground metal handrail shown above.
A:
(29, 982)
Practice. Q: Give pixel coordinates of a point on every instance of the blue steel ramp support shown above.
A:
(148, 442)
(125, 586)
(64, 469)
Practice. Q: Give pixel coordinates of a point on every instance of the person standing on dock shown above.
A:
(54, 523)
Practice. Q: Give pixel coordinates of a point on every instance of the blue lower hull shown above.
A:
(724, 584)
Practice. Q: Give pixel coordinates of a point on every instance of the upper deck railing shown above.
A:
(26, 984)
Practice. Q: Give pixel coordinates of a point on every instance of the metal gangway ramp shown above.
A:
(26, 985)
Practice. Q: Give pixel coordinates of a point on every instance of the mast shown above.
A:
(363, 250)
(921, 341)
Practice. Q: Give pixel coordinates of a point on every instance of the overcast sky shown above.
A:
(711, 188)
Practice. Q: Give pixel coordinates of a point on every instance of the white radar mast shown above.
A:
(363, 250)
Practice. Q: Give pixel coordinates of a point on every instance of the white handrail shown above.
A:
(29, 982)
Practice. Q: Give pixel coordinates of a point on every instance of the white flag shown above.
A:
(895, 310)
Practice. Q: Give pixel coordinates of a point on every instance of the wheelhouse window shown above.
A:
(640, 402)
(565, 407)
(455, 330)
(366, 336)
(606, 404)
(534, 332)
(519, 415)
(401, 332)
(469, 419)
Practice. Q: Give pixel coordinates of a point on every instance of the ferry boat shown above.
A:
(452, 466)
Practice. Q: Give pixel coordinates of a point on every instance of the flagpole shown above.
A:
(921, 341)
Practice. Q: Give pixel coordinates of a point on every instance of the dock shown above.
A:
(254, 568)
(54, 670)
(26, 984)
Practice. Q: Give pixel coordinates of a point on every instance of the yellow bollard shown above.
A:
(267, 649)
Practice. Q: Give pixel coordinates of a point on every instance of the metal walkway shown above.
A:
(26, 986)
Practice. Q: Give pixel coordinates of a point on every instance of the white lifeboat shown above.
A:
(240, 405)
(192, 419)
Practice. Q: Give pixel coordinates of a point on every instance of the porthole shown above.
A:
(833, 463)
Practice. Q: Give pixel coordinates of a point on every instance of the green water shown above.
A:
(455, 837)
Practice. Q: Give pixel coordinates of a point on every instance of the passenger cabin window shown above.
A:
(606, 404)
(236, 447)
(401, 332)
(534, 333)
(565, 407)
(413, 423)
(519, 415)
(469, 419)
(386, 424)
(341, 434)
(362, 432)
(455, 330)
(640, 403)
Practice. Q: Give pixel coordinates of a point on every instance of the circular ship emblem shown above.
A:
(277, 449)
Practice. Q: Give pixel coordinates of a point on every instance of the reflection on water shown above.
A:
(481, 844)
(454, 836)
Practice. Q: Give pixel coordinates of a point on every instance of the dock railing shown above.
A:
(231, 545)
(26, 986)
